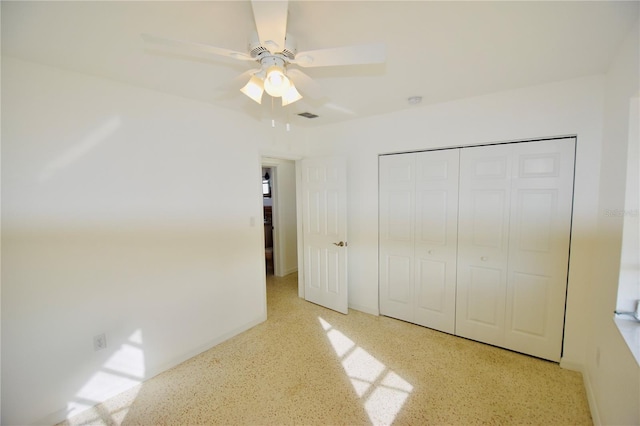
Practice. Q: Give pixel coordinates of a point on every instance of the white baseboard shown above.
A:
(364, 309)
(198, 350)
(53, 418)
(289, 271)
(595, 413)
(61, 415)
(571, 365)
(593, 407)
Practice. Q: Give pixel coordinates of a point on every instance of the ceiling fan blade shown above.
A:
(271, 23)
(238, 81)
(374, 53)
(306, 84)
(196, 47)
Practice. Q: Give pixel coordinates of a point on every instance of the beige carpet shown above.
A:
(310, 365)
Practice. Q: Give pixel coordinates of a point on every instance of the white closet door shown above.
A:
(436, 225)
(483, 237)
(513, 244)
(540, 224)
(397, 218)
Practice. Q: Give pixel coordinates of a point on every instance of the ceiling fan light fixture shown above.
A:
(291, 95)
(276, 83)
(254, 89)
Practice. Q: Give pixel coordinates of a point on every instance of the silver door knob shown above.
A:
(340, 244)
(484, 258)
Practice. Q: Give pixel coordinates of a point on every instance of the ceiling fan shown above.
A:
(275, 50)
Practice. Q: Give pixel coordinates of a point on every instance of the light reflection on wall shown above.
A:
(381, 390)
(82, 148)
(122, 371)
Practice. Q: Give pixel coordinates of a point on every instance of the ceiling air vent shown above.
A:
(307, 115)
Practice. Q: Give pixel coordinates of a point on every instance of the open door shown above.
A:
(324, 231)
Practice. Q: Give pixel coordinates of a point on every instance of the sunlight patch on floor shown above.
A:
(382, 391)
(122, 371)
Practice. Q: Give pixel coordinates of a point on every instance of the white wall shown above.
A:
(125, 212)
(612, 373)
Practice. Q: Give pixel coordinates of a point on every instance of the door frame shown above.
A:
(299, 229)
(271, 160)
(275, 234)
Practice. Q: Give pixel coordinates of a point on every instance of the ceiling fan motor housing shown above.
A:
(257, 50)
(268, 61)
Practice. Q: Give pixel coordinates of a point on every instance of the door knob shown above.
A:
(484, 258)
(340, 244)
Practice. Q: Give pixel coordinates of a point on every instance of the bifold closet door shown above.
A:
(513, 244)
(418, 237)
(436, 235)
(539, 238)
(483, 242)
(397, 224)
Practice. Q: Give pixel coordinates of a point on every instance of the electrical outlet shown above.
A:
(99, 342)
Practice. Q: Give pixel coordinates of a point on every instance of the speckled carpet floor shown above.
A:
(308, 365)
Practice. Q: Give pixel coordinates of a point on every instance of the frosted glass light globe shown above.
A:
(276, 83)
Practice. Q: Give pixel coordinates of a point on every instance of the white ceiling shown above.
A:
(438, 50)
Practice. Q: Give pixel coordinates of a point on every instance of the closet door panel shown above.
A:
(437, 174)
(432, 285)
(485, 297)
(483, 242)
(542, 192)
(529, 294)
(396, 248)
(399, 273)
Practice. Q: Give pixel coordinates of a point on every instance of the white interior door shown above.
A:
(540, 224)
(397, 223)
(436, 238)
(483, 242)
(324, 224)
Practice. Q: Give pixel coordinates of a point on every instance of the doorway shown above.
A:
(279, 216)
(267, 216)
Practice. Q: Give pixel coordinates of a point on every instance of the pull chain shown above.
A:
(273, 120)
(288, 126)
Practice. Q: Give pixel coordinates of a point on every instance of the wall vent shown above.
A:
(307, 115)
